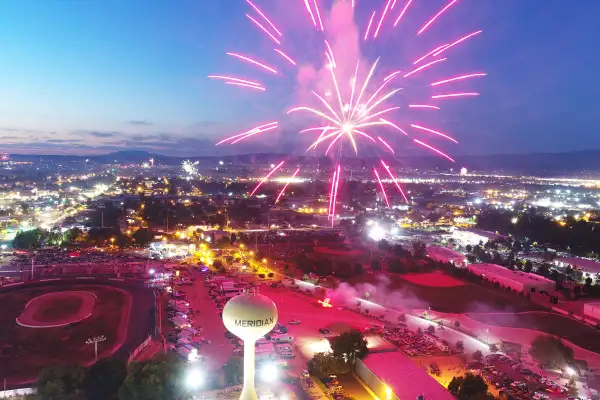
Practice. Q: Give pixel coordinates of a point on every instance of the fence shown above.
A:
(139, 349)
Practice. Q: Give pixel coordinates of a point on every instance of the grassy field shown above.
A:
(572, 330)
(57, 308)
(470, 297)
(25, 351)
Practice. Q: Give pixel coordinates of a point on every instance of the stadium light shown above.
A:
(95, 340)
(268, 372)
(376, 233)
(194, 378)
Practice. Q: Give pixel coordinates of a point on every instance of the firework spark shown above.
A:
(389, 171)
(286, 185)
(264, 17)
(369, 26)
(262, 28)
(190, 168)
(261, 88)
(319, 16)
(382, 188)
(385, 12)
(266, 177)
(402, 12)
(436, 16)
(252, 61)
(462, 39)
(335, 193)
(434, 132)
(433, 149)
(423, 106)
(458, 78)
(253, 131)
(285, 56)
(422, 67)
(386, 144)
(430, 53)
(445, 96)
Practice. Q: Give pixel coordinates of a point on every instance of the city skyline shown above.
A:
(91, 78)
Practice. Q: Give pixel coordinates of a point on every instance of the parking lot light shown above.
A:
(194, 378)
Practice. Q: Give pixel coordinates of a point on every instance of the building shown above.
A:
(592, 310)
(393, 376)
(582, 264)
(520, 282)
(474, 237)
(446, 255)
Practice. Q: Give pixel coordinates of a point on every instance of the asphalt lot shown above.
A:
(220, 350)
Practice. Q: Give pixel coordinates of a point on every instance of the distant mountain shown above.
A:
(584, 162)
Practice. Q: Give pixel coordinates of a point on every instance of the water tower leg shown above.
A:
(249, 392)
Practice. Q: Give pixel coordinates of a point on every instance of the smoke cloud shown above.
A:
(379, 292)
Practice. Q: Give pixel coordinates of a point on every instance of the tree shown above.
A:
(223, 243)
(550, 351)
(478, 356)
(61, 383)
(358, 269)
(528, 267)
(156, 379)
(218, 265)
(468, 387)
(349, 346)
(543, 270)
(143, 237)
(430, 329)
(73, 236)
(419, 249)
(234, 370)
(395, 266)
(493, 348)
(324, 364)
(104, 379)
(402, 318)
(460, 346)
(29, 240)
(375, 265)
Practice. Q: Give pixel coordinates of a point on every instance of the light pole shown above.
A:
(95, 340)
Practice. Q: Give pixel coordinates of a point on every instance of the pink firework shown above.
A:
(362, 109)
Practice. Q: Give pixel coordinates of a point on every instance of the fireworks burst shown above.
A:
(359, 108)
(190, 168)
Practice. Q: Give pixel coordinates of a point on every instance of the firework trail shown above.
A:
(389, 171)
(286, 185)
(266, 177)
(382, 187)
(357, 112)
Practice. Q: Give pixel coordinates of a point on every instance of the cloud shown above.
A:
(71, 141)
(102, 134)
(140, 123)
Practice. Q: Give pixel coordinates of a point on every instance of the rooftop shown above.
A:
(444, 252)
(499, 270)
(406, 379)
(582, 263)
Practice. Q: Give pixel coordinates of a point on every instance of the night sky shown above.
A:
(95, 76)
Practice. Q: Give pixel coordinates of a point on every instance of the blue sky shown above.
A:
(93, 76)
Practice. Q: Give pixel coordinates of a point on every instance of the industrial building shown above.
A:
(592, 310)
(446, 255)
(475, 237)
(515, 280)
(583, 264)
(393, 376)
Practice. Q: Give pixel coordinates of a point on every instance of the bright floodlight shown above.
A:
(249, 316)
(376, 233)
(194, 378)
(570, 371)
(152, 271)
(268, 372)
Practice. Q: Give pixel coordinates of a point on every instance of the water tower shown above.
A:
(249, 316)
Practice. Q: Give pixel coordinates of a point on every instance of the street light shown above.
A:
(95, 340)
